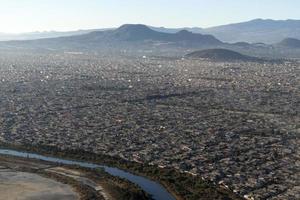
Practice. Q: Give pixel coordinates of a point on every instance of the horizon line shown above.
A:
(155, 26)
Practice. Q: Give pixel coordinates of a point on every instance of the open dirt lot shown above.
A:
(24, 186)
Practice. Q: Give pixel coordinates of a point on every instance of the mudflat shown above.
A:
(27, 186)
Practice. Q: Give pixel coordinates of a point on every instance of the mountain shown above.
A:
(55, 34)
(221, 55)
(289, 43)
(255, 31)
(139, 32)
(134, 38)
(258, 30)
(128, 35)
(5, 36)
(175, 30)
(44, 34)
(136, 32)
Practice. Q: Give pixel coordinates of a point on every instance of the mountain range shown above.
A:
(254, 31)
(45, 34)
(128, 36)
(138, 38)
(258, 30)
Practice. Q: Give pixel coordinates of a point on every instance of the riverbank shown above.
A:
(181, 185)
(46, 180)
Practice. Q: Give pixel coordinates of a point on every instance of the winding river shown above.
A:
(156, 190)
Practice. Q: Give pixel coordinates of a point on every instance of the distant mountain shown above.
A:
(255, 31)
(289, 43)
(221, 55)
(44, 34)
(135, 32)
(258, 30)
(129, 35)
(55, 34)
(4, 36)
(138, 32)
(138, 38)
(175, 30)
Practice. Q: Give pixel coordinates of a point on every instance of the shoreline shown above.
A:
(148, 172)
(87, 183)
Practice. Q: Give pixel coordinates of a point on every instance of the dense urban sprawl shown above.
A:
(236, 124)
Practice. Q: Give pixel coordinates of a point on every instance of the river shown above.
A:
(156, 190)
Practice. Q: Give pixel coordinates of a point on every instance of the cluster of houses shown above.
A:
(235, 124)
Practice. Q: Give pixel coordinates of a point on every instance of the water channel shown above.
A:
(156, 190)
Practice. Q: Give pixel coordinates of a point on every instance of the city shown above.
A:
(235, 124)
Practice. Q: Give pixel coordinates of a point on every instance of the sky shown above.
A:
(63, 15)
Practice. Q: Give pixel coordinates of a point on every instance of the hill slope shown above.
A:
(221, 55)
(258, 30)
(129, 35)
(44, 34)
(254, 31)
(289, 43)
(142, 33)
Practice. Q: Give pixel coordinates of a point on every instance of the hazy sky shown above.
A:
(63, 15)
